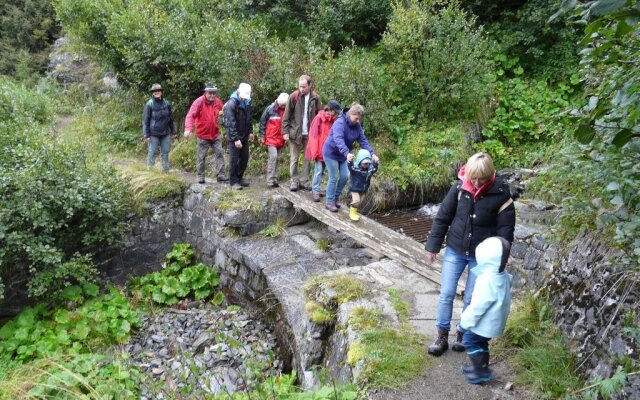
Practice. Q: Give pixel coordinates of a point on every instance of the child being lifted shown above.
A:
(361, 170)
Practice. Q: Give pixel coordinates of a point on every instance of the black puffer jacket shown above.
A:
(157, 118)
(237, 119)
(466, 222)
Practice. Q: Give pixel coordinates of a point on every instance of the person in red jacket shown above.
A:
(271, 135)
(203, 117)
(320, 128)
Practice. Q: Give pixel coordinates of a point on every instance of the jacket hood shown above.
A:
(363, 154)
(235, 95)
(326, 116)
(492, 255)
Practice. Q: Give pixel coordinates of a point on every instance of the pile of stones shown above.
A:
(203, 349)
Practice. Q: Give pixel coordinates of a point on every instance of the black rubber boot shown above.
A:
(457, 345)
(441, 344)
(481, 372)
(468, 368)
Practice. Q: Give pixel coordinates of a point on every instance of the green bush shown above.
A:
(40, 331)
(178, 280)
(54, 201)
(437, 58)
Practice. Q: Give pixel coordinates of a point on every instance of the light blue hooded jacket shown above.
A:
(491, 299)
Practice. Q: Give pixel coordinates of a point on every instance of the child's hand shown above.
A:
(375, 158)
(350, 157)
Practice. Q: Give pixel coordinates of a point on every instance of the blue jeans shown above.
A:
(338, 175)
(164, 142)
(475, 343)
(316, 183)
(453, 265)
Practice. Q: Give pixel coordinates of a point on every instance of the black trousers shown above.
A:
(238, 160)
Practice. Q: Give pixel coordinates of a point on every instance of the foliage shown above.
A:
(274, 230)
(542, 360)
(183, 155)
(43, 332)
(390, 357)
(54, 201)
(546, 49)
(528, 112)
(230, 200)
(324, 294)
(52, 282)
(426, 155)
(178, 280)
(323, 244)
(437, 58)
(27, 29)
(76, 376)
(152, 185)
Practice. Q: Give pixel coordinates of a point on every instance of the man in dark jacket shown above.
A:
(303, 105)
(477, 207)
(158, 127)
(238, 120)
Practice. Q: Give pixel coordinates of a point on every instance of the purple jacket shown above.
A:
(341, 138)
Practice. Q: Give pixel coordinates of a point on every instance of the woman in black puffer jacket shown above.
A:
(477, 207)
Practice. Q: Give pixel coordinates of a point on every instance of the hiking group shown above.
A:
(476, 218)
(322, 136)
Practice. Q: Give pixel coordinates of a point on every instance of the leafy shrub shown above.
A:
(54, 201)
(74, 376)
(42, 332)
(183, 155)
(178, 280)
(528, 111)
(437, 58)
(27, 30)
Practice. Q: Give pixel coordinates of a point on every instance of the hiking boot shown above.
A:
(316, 197)
(331, 207)
(273, 184)
(244, 183)
(294, 186)
(337, 205)
(222, 178)
(305, 186)
(201, 180)
(353, 214)
(457, 344)
(323, 193)
(441, 344)
(236, 186)
(481, 372)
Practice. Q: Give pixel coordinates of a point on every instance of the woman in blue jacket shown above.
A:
(337, 152)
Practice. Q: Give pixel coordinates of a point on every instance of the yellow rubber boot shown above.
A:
(353, 214)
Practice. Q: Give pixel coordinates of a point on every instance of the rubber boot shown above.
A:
(353, 214)
(441, 344)
(457, 345)
(468, 368)
(481, 372)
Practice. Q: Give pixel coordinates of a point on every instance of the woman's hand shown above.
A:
(350, 157)
(375, 158)
(431, 257)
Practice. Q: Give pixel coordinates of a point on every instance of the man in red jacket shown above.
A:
(203, 117)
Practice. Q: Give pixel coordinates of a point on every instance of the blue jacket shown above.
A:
(238, 116)
(341, 138)
(491, 299)
(361, 178)
(157, 118)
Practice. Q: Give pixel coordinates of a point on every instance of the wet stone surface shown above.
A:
(203, 349)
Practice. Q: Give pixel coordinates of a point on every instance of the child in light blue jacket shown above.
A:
(486, 316)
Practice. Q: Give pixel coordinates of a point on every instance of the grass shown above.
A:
(536, 347)
(324, 294)
(323, 244)
(274, 230)
(152, 185)
(230, 200)
(390, 357)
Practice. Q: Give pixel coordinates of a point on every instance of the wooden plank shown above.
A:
(402, 249)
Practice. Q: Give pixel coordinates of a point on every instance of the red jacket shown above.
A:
(320, 128)
(271, 126)
(204, 117)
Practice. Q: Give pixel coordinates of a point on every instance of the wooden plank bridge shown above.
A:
(400, 248)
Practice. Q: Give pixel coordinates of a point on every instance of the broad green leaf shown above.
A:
(91, 289)
(613, 186)
(622, 137)
(217, 299)
(62, 316)
(584, 133)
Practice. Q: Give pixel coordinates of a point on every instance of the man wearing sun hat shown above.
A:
(158, 127)
(203, 117)
(238, 120)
